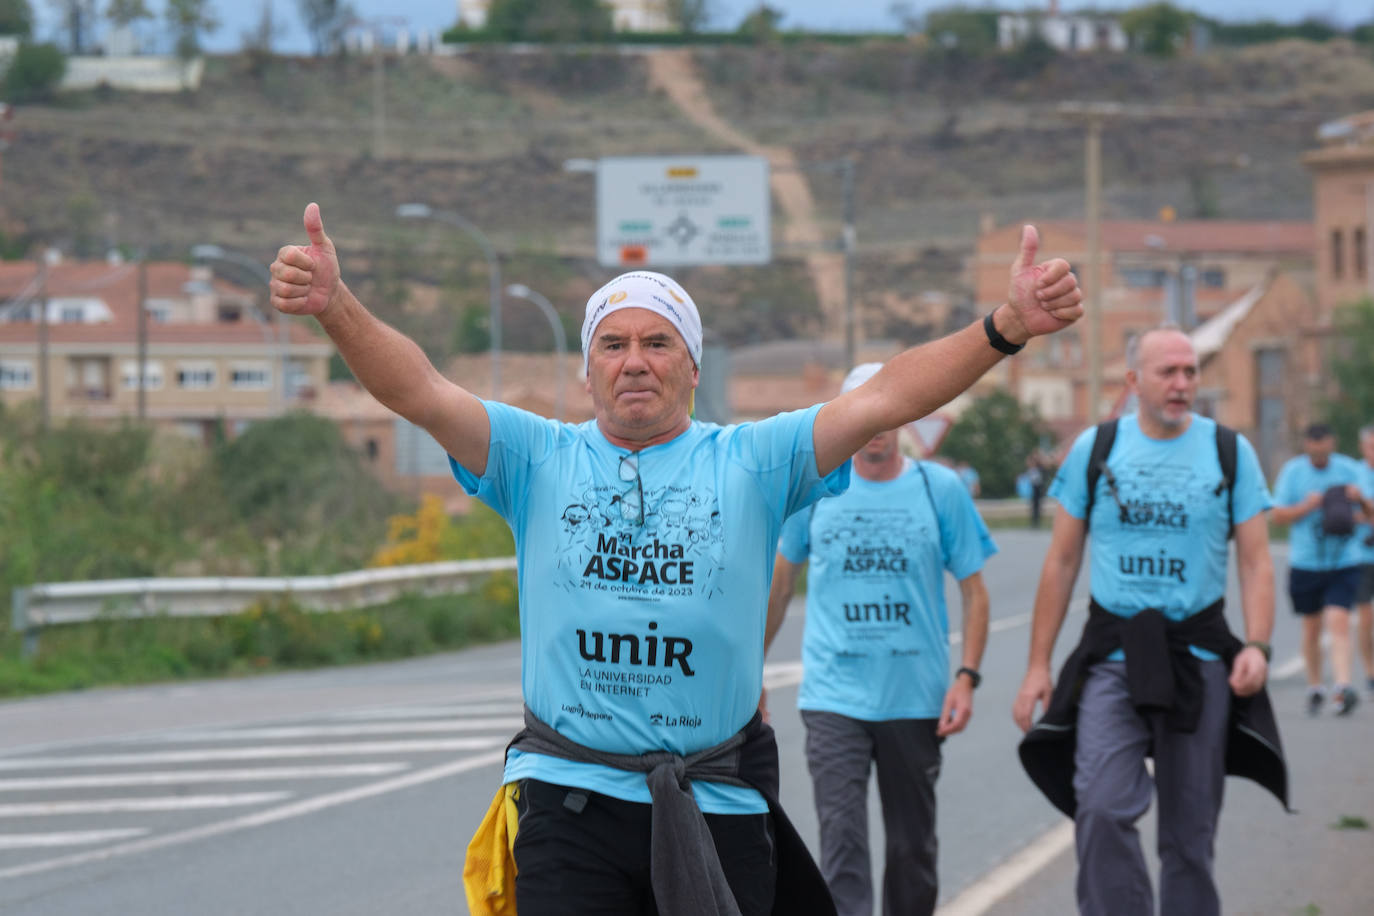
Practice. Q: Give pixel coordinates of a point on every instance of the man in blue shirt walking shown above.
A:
(644, 544)
(876, 688)
(1324, 572)
(1363, 550)
(1159, 516)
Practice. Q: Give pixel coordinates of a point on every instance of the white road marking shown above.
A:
(428, 712)
(126, 805)
(259, 818)
(1289, 668)
(254, 753)
(999, 883)
(507, 726)
(184, 777)
(82, 838)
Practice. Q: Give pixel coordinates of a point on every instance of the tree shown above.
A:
(1352, 405)
(34, 72)
(325, 20)
(995, 435)
(550, 20)
(259, 40)
(16, 18)
(690, 16)
(969, 30)
(1159, 29)
(126, 12)
(187, 19)
(78, 18)
(762, 24)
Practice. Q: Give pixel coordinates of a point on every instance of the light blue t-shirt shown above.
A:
(1359, 553)
(1161, 540)
(876, 643)
(1308, 547)
(970, 478)
(645, 637)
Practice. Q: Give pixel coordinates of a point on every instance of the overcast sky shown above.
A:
(237, 16)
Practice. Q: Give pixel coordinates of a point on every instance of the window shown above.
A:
(196, 376)
(1337, 254)
(1357, 242)
(1143, 277)
(16, 375)
(1212, 278)
(250, 377)
(70, 315)
(152, 375)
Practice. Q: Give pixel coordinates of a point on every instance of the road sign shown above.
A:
(664, 211)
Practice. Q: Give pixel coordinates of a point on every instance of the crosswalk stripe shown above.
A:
(126, 805)
(429, 712)
(183, 777)
(506, 726)
(259, 818)
(71, 838)
(253, 753)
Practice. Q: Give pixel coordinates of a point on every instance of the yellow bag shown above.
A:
(489, 870)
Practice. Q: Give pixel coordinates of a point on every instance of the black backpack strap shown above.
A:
(1097, 462)
(1226, 457)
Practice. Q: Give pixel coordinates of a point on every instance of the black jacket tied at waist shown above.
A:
(684, 868)
(1164, 680)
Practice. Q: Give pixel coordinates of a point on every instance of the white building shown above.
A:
(1065, 32)
(628, 15)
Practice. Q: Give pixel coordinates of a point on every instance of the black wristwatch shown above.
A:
(999, 343)
(974, 677)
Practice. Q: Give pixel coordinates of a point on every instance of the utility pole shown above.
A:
(1092, 173)
(44, 393)
(847, 244)
(142, 336)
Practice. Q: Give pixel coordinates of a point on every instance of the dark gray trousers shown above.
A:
(839, 753)
(1113, 789)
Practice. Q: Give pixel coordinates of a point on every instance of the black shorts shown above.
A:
(596, 860)
(1364, 591)
(1311, 590)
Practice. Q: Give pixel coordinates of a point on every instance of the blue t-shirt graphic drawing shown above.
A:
(876, 642)
(644, 585)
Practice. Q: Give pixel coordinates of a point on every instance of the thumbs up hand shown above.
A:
(306, 277)
(1044, 298)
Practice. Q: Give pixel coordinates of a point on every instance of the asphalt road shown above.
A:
(354, 791)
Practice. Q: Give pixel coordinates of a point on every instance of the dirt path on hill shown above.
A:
(674, 73)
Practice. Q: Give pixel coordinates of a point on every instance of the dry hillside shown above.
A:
(939, 142)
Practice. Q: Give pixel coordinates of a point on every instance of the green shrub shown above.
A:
(35, 72)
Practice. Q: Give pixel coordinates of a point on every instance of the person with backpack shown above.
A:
(1157, 672)
(876, 686)
(1318, 497)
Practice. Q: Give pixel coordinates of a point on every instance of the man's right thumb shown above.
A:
(314, 225)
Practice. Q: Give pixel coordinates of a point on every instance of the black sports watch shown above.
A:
(974, 677)
(999, 343)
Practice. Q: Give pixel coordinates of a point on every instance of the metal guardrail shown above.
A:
(55, 603)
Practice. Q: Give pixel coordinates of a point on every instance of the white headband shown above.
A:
(644, 289)
(858, 375)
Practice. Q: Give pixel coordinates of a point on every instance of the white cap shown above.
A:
(858, 375)
(644, 289)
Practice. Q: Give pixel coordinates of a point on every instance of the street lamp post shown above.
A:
(219, 253)
(425, 211)
(560, 337)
